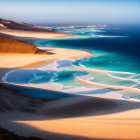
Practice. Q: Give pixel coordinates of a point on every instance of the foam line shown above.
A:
(129, 89)
(108, 73)
(100, 71)
(91, 70)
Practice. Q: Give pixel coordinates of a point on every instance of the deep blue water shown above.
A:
(120, 51)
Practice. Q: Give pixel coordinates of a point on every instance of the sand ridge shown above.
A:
(35, 34)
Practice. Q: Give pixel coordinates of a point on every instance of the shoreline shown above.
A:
(79, 117)
(12, 61)
(129, 89)
(70, 54)
(107, 90)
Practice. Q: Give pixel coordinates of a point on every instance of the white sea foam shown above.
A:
(4, 78)
(50, 86)
(86, 77)
(121, 78)
(64, 63)
(49, 66)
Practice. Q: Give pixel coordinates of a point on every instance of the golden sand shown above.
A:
(122, 125)
(20, 60)
(35, 34)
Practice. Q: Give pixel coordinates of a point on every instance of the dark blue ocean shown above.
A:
(115, 48)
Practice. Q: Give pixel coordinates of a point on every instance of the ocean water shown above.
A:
(116, 50)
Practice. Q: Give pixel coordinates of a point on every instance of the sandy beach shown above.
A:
(75, 118)
(9, 61)
(41, 35)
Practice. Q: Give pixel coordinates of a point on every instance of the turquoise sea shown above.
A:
(116, 50)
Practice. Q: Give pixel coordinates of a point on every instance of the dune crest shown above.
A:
(20, 29)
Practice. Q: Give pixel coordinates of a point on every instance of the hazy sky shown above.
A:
(72, 11)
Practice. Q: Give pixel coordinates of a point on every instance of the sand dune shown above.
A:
(14, 46)
(20, 29)
(115, 126)
(78, 117)
(11, 24)
(11, 99)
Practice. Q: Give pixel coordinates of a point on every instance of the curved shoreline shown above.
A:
(76, 90)
(83, 117)
(12, 61)
(129, 89)
(108, 86)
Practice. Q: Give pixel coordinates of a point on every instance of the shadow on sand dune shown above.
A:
(55, 108)
(27, 131)
(56, 104)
